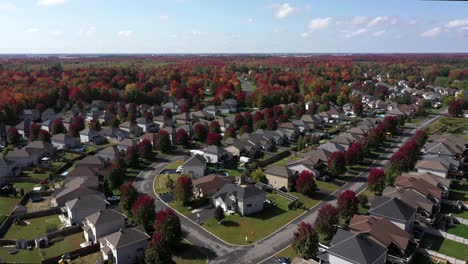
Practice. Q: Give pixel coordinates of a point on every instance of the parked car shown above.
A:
(283, 260)
(180, 169)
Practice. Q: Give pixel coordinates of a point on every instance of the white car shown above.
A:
(180, 169)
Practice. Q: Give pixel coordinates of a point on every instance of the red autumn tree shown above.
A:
(128, 196)
(213, 139)
(199, 132)
(272, 124)
(143, 211)
(13, 136)
(376, 180)
(327, 220)
(163, 141)
(57, 127)
(43, 135)
(390, 124)
(347, 205)
(116, 175)
(184, 190)
(230, 132)
(420, 138)
(456, 108)
(214, 127)
(354, 154)
(158, 251)
(337, 163)
(238, 120)
(76, 126)
(168, 225)
(34, 131)
(305, 183)
(131, 157)
(182, 137)
(167, 114)
(357, 108)
(145, 149)
(305, 242)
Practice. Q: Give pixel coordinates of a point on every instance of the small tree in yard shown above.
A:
(57, 127)
(163, 141)
(376, 180)
(218, 213)
(128, 196)
(131, 157)
(116, 175)
(214, 127)
(168, 225)
(357, 108)
(327, 221)
(213, 139)
(336, 163)
(182, 137)
(362, 200)
(347, 205)
(143, 211)
(169, 183)
(456, 108)
(44, 136)
(258, 176)
(420, 137)
(184, 190)
(305, 183)
(199, 132)
(145, 150)
(305, 242)
(158, 251)
(230, 132)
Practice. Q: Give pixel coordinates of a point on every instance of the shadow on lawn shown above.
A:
(186, 251)
(229, 223)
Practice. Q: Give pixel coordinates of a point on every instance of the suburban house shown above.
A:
(92, 161)
(446, 148)
(442, 183)
(347, 247)
(126, 143)
(62, 195)
(92, 136)
(172, 105)
(102, 223)
(23, 129)
(426, 209)
(421, 186)
(131, 128)
(42, 148)
(23, 157)
(281, 177)
(439, 166)
(109, 153)
(64, 141)
(215, 154)
(147, 125)
(304, 164)
(208, 185)
(242, 199)
(398, 242)
(394, 210)
(126, 246)
(114, 135)
(30, 114)
(93, 174)
(195, 166)
(334, 147)
(81, 207)
(8, 168)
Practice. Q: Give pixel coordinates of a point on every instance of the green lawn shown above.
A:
(89, 259)
(445, 246)
(459, 230)
(189, 254)
(175, 165)
(27, 186)
(234, 228)
(68, 243)
(67, 156)
(285, 161)
(287, 253)
(160, 182)
(7, 204)
(36, 228)
(459, 191)
(39, 176)
(308, 202)
(326, 186)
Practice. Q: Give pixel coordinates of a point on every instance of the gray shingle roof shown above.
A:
(392, 208)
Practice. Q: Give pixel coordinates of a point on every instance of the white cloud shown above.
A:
(381, 20)
(50, 2)
(250, 20)
(379, 33)
(305, 35)
(319, 23)
(356, 33)
(196, 33)
(125, 33)
(432, 32)
(32, 30)
(7, 7)
(284, 10)
(163, 17)
(55, 32)
(359, 20)
(457, 23)
(89, 31)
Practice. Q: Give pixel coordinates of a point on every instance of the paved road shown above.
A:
(220, 252)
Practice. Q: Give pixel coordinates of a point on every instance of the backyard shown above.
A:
(459, 230)
(7, 204)
(444, 246)
(245, 230)
(34, 228)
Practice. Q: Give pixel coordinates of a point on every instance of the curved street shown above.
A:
(261, 251)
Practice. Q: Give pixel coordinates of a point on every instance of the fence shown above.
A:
(10, 219)
(446, 235)
(274, 158)
(74, 254)
(22, 179)
(440, 256)
(51, 211)
(462, 221)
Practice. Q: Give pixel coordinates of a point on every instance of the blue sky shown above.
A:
(204, 26)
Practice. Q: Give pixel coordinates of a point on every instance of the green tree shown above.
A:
(305, 242)
(258, 176)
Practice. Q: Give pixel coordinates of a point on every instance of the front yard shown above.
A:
(459, 230)
(240, 230)
(445, 246)
(33, 228)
